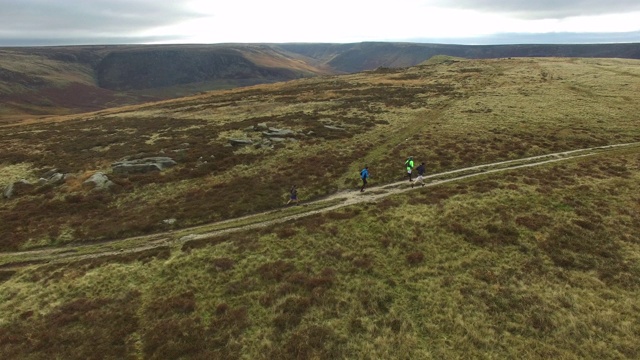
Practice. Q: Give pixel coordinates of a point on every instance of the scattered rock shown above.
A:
(277, 139)
(201, 162)
(55, 179)
(8, 191)
(50, 173)
(99, 181)
(145, 165)
(169, 221)
(261, 127)
(240, 142)
(273, 132)
(12, 188)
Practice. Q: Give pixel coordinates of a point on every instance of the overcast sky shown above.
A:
(75, 22)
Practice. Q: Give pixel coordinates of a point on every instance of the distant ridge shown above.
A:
(70, 79)
(370, 55)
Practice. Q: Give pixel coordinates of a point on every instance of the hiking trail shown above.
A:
(176, 238)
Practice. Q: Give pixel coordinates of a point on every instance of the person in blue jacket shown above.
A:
(364, 175)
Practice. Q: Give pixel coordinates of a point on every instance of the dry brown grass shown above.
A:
(449, 114)
(487, 267)
(532, 263)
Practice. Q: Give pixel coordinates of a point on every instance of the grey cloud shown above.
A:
(545, 9)
(81, 18)
(72, 41)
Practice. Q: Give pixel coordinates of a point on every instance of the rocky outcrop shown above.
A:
(98, 181)
(50, 178)
(270, 136)
(140, 166)
(273, 132)
(55, 179)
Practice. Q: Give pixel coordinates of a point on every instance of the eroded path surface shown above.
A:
(177, 238)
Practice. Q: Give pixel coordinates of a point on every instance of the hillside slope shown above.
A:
(166, 66)
(371, 55)
(62, 80)
(451, 114)
(528, 263)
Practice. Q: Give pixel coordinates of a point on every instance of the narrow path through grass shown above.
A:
(177, 238)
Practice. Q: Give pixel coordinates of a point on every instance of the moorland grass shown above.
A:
(450, 114)
(532, 263)
(13, 173)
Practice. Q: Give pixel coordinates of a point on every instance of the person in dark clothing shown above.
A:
(364, 175)
(420, 169)
(293, 197)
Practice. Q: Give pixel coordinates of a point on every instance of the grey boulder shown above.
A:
(11, 189)
(140, 166)
(55, 179)
(52, 177)
(273, 132)
(98, 181)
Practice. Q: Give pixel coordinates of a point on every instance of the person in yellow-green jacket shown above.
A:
(409, 165)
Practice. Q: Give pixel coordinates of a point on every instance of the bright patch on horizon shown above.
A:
(338, 21)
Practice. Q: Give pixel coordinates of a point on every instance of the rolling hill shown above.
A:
(65, 80)
(42, 81)
(524, 244)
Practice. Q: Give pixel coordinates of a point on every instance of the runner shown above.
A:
(294, 195)
(409, 165)
(364, 175)
(420, 169)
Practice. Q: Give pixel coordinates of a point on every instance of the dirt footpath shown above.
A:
(12, 260)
